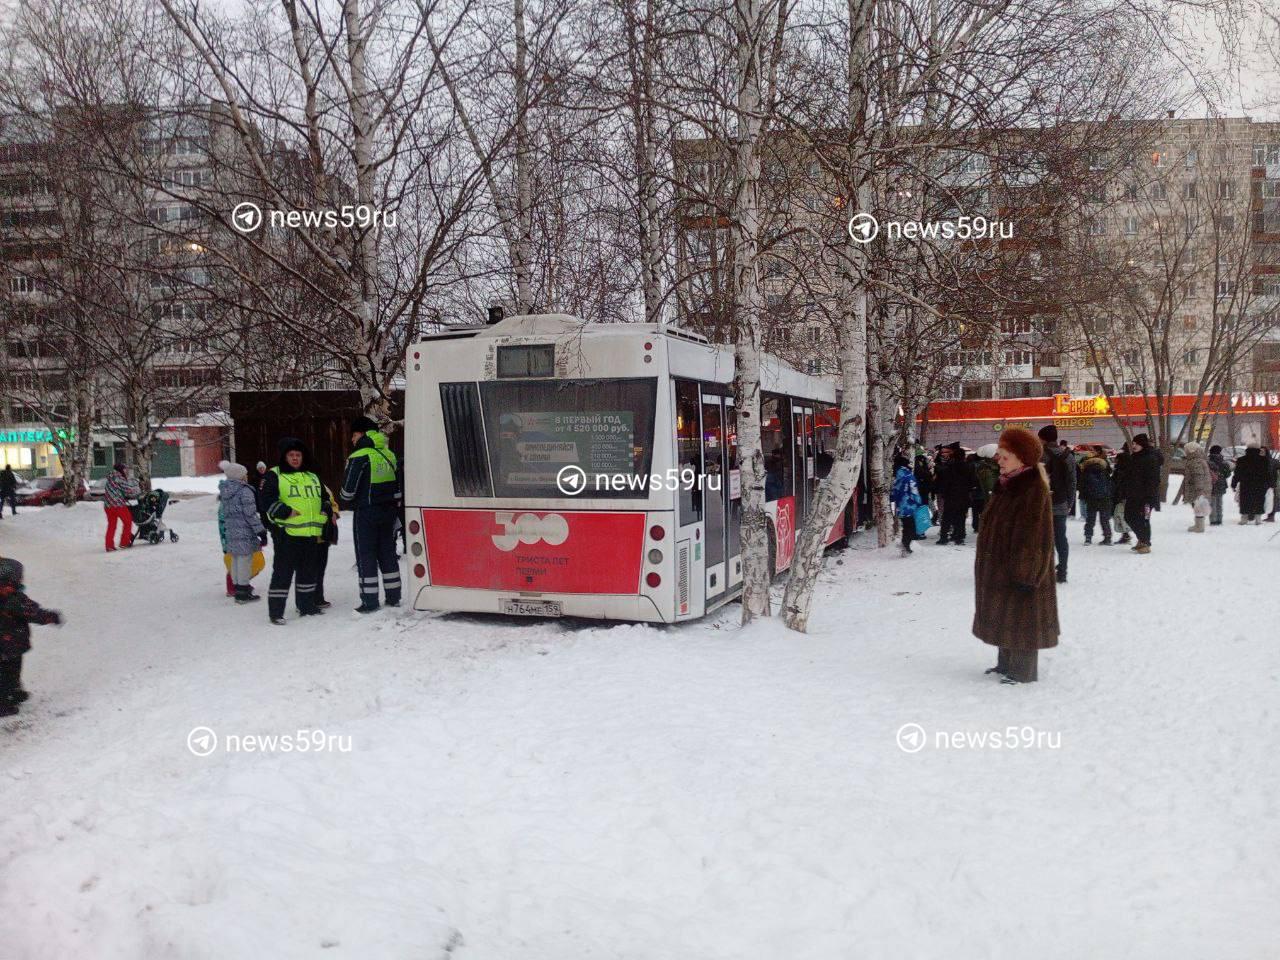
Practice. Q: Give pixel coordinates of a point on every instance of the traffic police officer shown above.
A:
(297, 510)
(372, 487)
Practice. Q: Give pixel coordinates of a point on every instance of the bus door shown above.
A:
(802, 441)
(689, 501)
(715, 494)
(733, 492)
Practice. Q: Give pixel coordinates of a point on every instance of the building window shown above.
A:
(1097, 227)
(1097, 193)
(1226, 190)
(1271, 189)
(1158, 191)
(1190, 357)
(21, 284)
(1191, 158)
(1157, 158)
(1265, 154)
(1226, 288)
(1131, 192)
(1227, 224)
(1189, 190)
(1131, 226)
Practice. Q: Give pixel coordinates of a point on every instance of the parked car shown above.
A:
(98, 489)
(45, 490)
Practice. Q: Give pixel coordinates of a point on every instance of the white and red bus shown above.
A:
(559, 468)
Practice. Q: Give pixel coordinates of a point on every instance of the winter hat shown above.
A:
(1192, 449)
(1022, 443)
(234, 471)
(1215, 450)
(1049, 434)
(988, 450)
(954, 447)
(119, 467)
(10, 576)
(363, 424)
(900, 462)
(261, 466)
(293, 443)
(1142, 440)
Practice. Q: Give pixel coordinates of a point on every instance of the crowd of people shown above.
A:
(1020, 493)
(292, 508)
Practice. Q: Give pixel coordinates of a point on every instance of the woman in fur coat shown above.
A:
(1016, 596)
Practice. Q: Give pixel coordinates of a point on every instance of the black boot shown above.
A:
(367, 608)
(245, 594)
(8, 709)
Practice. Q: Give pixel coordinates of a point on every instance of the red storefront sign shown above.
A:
(553, 552)
(1126, 406)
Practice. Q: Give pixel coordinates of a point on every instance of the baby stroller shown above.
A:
(148, 516)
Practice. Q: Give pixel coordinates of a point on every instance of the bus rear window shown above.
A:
(535, 429)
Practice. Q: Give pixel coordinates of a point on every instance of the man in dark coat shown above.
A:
(924, 482)
(955, 482)
(1016, 605)
(8, 489)
(1253, 478)
(1061, 467)
(1220, 470)
(1141, 492)
(1095, 490)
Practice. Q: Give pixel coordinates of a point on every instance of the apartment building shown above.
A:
(1183, 213)
(88, 253)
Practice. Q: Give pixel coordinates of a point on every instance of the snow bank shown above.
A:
(564, 790)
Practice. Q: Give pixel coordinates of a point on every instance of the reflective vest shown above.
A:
(303, 493)
(382, 462)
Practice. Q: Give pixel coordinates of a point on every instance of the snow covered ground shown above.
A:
(561, 791)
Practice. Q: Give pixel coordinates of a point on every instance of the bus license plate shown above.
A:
(532, 608)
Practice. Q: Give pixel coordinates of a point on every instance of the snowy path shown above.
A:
(542, 790)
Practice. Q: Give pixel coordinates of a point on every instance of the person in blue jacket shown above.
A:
(906, 500)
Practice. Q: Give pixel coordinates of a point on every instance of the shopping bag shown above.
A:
(924, 519)
(1201, 506)
(256, 567)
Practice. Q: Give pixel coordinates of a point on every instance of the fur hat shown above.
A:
(1192, 449)
(1023, 444)
(363, 425)
(234, 471)
(1215, 450)
(1049, 434)
(1142, 440)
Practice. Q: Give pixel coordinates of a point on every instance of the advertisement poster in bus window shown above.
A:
(536, 444)
(785, 528)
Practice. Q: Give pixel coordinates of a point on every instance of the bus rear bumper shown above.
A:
(625, 607)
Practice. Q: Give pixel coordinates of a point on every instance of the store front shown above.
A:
(30, 452)
(1234, 419)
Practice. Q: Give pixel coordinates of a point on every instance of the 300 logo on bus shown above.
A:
(529, 528)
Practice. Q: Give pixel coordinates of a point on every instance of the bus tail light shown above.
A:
(419, 571)
(655, 556)
(656, 532)
(415, 548)
(415, 527)
(653, 580)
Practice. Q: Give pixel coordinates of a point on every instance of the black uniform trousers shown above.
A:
(10, 676)
(954, 515)
(295, 560)
(374, 532)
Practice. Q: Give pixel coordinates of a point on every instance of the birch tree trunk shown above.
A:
(748, 307)
(851, 337)
(522, 251)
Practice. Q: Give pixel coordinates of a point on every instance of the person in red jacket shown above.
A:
(118, 490)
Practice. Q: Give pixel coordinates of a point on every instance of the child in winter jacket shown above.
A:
(17, 613)
(242, 531)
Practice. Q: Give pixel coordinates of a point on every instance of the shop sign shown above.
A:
(1253, 401)
(1001, 427)
(1065, 405)
(34, 436)
(1073, 423)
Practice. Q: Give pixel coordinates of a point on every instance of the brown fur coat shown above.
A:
(1015, 547)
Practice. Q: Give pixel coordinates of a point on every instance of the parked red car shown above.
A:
(45, 490)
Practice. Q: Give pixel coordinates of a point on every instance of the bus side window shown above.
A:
(468, 459)
(775, 443)
(689, 449)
